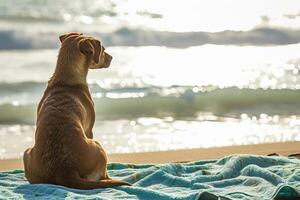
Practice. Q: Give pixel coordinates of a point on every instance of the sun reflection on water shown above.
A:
(157, 134)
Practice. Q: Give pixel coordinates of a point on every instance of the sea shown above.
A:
(185, 74)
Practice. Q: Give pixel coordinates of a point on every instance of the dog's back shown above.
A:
(59, 125)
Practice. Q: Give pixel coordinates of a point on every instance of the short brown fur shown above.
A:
(64, 152)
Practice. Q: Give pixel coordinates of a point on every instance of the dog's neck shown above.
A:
(69, 69)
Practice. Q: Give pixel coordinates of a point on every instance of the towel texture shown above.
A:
(232, 177)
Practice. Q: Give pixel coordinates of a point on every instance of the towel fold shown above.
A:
(232, 177)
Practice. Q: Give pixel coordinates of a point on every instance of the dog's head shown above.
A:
(89, 48)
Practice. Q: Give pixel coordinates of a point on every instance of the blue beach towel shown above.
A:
(232, 177)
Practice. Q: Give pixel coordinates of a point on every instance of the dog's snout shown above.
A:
(109, 57)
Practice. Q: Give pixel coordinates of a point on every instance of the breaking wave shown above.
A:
(175, 101)
(18, 39)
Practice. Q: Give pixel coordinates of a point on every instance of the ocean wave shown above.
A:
(53, 10)
(18, 39)
(185, 103)
(21, 87)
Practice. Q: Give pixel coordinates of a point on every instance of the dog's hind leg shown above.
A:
(29, 169)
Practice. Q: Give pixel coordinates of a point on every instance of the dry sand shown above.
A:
(285, 148)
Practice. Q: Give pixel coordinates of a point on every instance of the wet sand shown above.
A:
(284, 148)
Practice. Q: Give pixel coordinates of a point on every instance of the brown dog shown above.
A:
(65, 152)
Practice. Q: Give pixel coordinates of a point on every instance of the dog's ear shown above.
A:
(66, 35)
(97, 50)
(90, 47)
(87, 48)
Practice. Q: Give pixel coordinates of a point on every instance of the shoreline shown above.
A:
(185, 155)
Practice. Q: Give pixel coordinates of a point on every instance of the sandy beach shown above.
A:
(285, 148)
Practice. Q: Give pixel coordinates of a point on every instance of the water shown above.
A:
(178, 80)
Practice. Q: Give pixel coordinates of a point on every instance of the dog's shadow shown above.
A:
(50, 191)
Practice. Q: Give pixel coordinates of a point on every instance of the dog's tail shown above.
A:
(73, 180)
